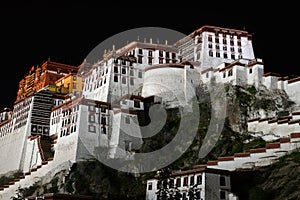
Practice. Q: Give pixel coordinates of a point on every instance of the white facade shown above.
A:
(207, 184)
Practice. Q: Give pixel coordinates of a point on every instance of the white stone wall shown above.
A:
(165, 82)
(11, 147)
(256, 77)
(293, 91)
(126, 135)
(151, 190)
(32, 155)
(213, 187)
(270, 82)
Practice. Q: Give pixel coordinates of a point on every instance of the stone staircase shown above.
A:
(288, 142)
(44, 173)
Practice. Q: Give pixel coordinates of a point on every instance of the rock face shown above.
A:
(249, 102)
(277, 182)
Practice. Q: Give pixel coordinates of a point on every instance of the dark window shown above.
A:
(210, 45)
(140, 51)
(222, 194)
(116, 69)
(207, 75)
(217, 47)
(123, 70)
(224, 41)
(104, 81)
(173, 56)
(161, 60)
(115, 78)
(222, 181)
(224, 74)
(167, 60)
(137, 103)
(185, 181)
(232, 49)
(231, 42)
(115, 60)
(184, 197)
(250, 71)
(192, 180)
(140, 59)
(150, 61)
(199, 179)
(150, 53)
(225, 48)
(239, 43)
(103, 120)
(232, 56)
(218, 54)
(178, 182)
(230, 72)
(217, 40)
(150, 186)
(198, 195)
(240, 50)
(167, 55)
(225, 55)
(161, 53)
(211, 53)
(171, 183)
(209, 38)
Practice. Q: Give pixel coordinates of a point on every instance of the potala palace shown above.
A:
(64, 114)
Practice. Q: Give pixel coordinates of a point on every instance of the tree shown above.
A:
(19, 194)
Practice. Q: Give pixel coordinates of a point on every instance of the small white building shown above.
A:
(201, 182)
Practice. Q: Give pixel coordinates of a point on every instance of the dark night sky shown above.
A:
(30, 33)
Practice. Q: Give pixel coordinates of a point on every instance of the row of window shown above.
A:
(68, 131)
(22, 105)
(89, 87)
(92, 108)
(20, 124)
(230, 73)
(161, 53)
(123, 62)
(185, 181)
(7, 128)
(92, 129)
(68, 121)
(123, 79)
(224, 48)
(225, 41)
(23, 111)
(92, 119)
(124, 71)
(225, 55)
